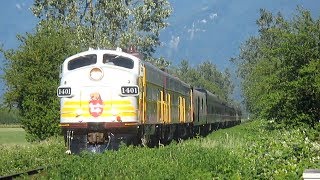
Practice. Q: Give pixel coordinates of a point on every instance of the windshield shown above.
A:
(118, 61)
(82, 61)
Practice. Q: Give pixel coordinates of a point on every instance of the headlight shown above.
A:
(96, 74)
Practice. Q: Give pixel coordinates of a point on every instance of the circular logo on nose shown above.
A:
(95, 104)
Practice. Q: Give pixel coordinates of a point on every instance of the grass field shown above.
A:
(10, 135)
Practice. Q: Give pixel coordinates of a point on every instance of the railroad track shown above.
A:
(29, 173)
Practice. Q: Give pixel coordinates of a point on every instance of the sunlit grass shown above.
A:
(12, 136)
(10, 125)
(224, 139)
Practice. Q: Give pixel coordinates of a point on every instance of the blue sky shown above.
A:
(199, 29)
(214, 29)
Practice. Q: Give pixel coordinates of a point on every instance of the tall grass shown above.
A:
(18, 158)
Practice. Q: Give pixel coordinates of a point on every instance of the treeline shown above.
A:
(9, 116)
(280, 69)
(69, 27)
(206, 75)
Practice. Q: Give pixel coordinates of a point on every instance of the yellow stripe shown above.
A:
(130, 124)
(126, 114)
(124, 108)
(87, 115)
(119, 102)
(113, 102)
(73, 103)
(120, 108)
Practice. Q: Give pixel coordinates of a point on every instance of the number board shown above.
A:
(64, 91)
(129, 90)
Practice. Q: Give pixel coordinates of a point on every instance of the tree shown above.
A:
(110, 23)
(279, 69)
(67, 27)
(206, 75)
(32, 76)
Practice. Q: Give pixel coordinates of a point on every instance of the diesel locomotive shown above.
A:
(109, 96)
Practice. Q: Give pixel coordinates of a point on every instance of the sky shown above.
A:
(214, 29)
(199, 30)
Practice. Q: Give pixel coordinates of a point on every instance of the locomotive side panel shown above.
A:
(168, 98)
(154, 87)
(180, 94)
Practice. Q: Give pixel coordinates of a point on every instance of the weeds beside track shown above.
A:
(248, 151)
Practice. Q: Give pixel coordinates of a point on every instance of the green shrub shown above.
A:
(32, 77)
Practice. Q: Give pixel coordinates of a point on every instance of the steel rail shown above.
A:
(29, 173)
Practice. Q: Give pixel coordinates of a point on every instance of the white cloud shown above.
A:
(204, 21)
(193, 30)
(213, 15)
(20, 6)
(172, 45)
(204, 8)
(162, 44)
(174, 42)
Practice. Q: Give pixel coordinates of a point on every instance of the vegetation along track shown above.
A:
(29, 173)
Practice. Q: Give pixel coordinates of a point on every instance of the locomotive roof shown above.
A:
(100, 51)
(165, 73)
